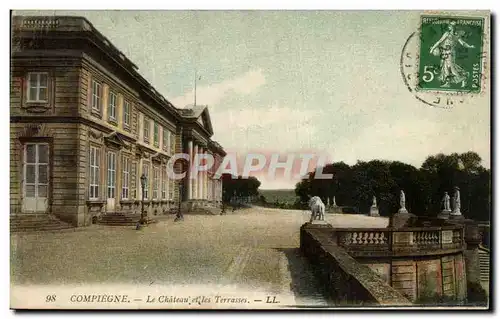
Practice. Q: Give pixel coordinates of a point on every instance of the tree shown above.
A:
(424, 187)
(237, 186)
(374, 179)
(303, 190)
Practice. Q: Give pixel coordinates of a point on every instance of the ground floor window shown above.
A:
(145, 171)
(125, 177)
(36, 176)
(135, 174)
(94, 176)
(156, 178)
(171, 183)
(111, 174)
(164, 183)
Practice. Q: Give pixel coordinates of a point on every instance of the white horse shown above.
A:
(317, 208)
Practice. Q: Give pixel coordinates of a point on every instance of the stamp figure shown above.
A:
(450, 53)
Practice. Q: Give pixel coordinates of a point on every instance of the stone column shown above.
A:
(219, 189)
(200, 178)
(189, 181)
(205, 179)
(194, 179)
(215, 190)
(471, 254)
(472, 238)
(210, 189)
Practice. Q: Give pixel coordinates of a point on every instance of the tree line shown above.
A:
(424, 187)
(237, 187)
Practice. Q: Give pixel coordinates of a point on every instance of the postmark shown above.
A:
(445, 62)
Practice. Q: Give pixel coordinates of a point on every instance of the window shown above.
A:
(136, 123)
(111, 174)
(135, 175)
(112, 106)
(126, 113)
(96, 96)
(156, 177)
(164, 183)
(156, 133)
(171, 189)
(36, 170)
(146, 129)
(172, 143)
(125, 177)
(37, 87)
(94, 173)
(166, 140)
(145, 171)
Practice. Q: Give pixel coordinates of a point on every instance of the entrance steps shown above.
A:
(201, 207)
(121, 219)
(36, 222)
(206, 210)
(484, 264)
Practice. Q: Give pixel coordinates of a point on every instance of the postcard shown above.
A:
(250, 160)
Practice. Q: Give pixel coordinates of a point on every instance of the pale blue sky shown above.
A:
(295, 80)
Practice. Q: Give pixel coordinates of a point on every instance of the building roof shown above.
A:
(193, 111)
(43, 25)
(46, 24)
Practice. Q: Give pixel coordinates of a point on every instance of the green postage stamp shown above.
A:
(451, 53)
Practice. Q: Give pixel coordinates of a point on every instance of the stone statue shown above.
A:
(374, 209)
(328, 202)
(446, 202)
(334, 203)
(456, 202)
(317, 209)
(402, 203)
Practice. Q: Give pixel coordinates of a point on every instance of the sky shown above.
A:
(287, 81)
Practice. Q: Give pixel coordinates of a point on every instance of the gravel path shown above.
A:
(256, 248)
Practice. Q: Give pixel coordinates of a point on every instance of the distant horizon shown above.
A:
(374, 159)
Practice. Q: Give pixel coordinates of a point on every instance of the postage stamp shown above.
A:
(444, 62)
(450, 53)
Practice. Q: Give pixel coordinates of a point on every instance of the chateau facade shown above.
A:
(85, 126)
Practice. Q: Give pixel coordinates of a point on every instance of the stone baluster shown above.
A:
(354, 238)
(370, 239)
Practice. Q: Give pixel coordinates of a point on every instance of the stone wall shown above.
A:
(348, 282)
(423, 279)
(422, 276)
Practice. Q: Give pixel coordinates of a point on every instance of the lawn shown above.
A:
(282, 195)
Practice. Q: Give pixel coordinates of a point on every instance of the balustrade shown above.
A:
(407, 239)
(426, 238)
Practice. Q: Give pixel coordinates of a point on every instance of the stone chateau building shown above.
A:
(85, 125)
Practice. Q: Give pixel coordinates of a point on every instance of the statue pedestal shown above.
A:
(402, 211)
(318, 222)
(457, 216)
(374, 211)
(444, 214)
(399, 219)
